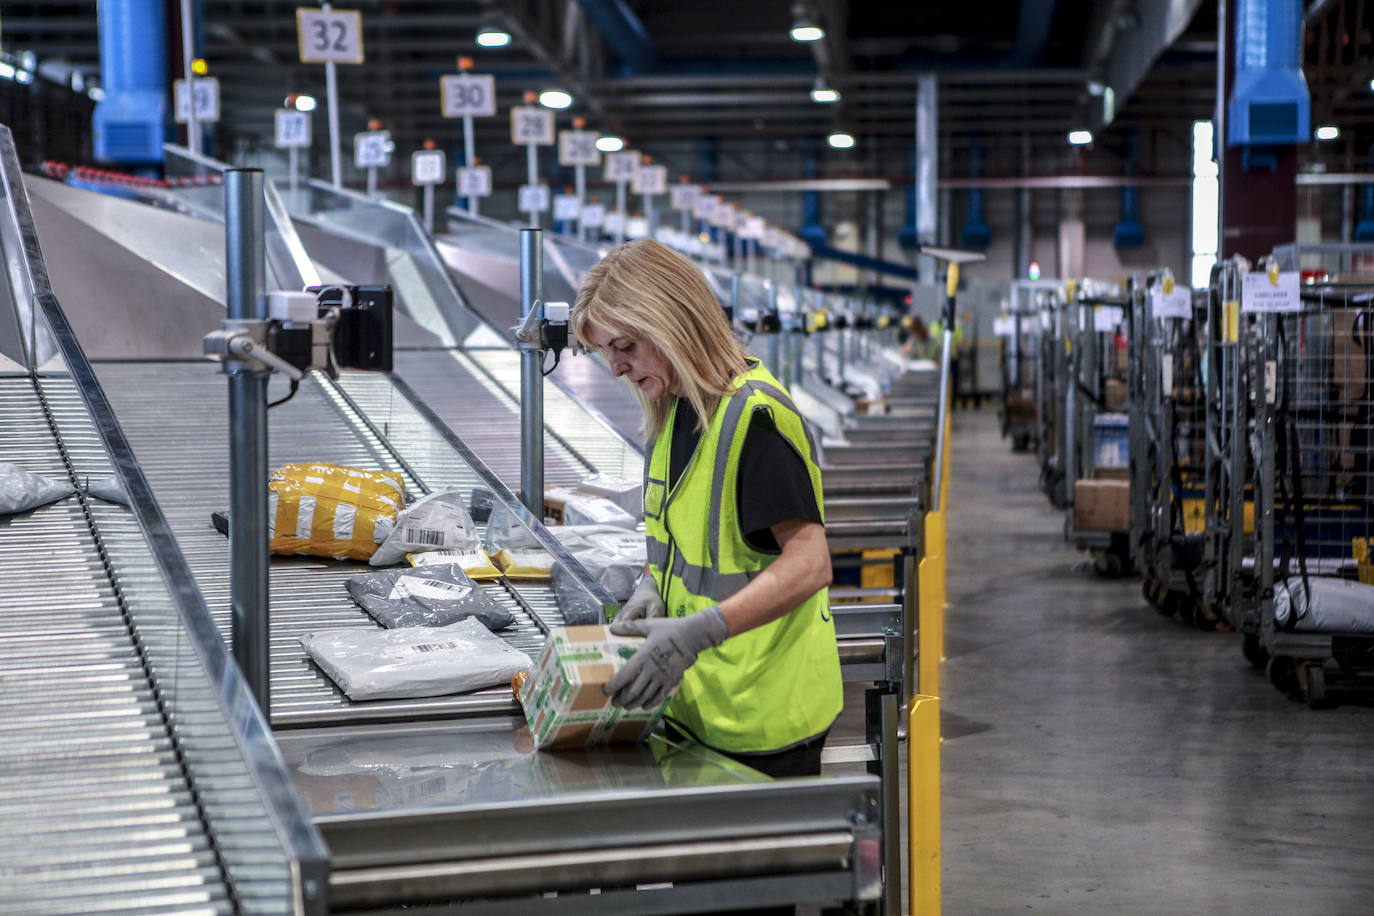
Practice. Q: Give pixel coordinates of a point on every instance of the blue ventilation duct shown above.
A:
(812, 232)
(1129, 233)
(624, 33)
(908, 236)
(1269, 103)
(130, 123)
(1364, 229)
(976, 233)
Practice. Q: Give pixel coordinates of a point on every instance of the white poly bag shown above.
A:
(370, 663)
(21, 491)
(504, 530)
(627, 494)
(440, 521)
(614, 557)
(585, 509)
(1336, 605)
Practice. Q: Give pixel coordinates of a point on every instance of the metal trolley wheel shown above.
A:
(1252, 647)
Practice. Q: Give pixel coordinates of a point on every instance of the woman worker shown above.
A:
(735, 610)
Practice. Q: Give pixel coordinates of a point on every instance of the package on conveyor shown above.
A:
(563, 695)
(21, 490)
(505, 528)
(525, 563)
(614, 558)
(327, 510)
(426, 596)
(569, 507)
(439, 521)
(627, 494)
(474, 561)
(369, 663)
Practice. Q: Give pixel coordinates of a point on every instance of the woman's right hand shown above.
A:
(644, 603)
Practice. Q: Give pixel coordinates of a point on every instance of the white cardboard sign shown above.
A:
(1106, 318)
(427, 166)
(682, 196)
(329, 35)
(467, 95)
(704, 207)
(594, 215)
(566, 206)
(650, 179)
(370, 149)
(292, 128)
(1178, 304)
(474, 181)
(534, 198)
(1258, 294)
(531, 126)
(613, 222)
(207, 99)
(622, 166)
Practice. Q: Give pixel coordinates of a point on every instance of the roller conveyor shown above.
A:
(189, 474)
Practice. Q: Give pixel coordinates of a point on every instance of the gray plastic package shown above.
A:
(1336, 605)
(110, 490)
(21, 491)
(373, 664)
(627, 494)
(505, 530)
(439, 521)
(426, 596)
(586, 509)
(614, 558)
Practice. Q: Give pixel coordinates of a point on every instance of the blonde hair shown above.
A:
(648, 292)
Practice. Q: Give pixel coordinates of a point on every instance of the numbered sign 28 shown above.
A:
(292, 128)
(329, 35)
(467, 95)
(566, 206)
(594, 215)
(207, 99)
(474, 181)
(370, 149)
(578, 147)
(650, 179)
(531, 126)
(622, 166)
(534, 198)
(427, 166)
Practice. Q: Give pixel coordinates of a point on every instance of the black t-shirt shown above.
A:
(773, 486)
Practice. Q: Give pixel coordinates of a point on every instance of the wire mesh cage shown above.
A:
(1051, 369)
(1019, 332)
(1312, 372)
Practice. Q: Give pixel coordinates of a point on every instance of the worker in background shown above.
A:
(915, 338)
(735, 606)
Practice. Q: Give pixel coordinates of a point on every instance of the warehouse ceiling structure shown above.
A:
(709, 85)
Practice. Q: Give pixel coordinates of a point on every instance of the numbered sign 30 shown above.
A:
(329, 35)
(534, 198)
(578, 147)
(292, 128)
(531, 126)
(650, 179)
(474, 181)
(467, 95)
(427, 166)
(207, 99)
(622, 166)
(370, 149)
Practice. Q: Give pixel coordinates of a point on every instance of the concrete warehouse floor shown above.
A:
(1101, 758)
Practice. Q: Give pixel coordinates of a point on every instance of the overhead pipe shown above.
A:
(976, 233)
(623, 31)
(1269, 103)
(1129, 233)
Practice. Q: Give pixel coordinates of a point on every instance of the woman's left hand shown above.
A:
(671, 647)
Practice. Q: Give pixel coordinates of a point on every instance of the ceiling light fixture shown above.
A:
(1080, 137)
(610, 144)
(824, 94)
(492, 37)
(556, 99)
(807, 31)
(1328, 132)
(305, 103)
(840, 140)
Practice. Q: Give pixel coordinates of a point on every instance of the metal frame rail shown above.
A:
(148, 781)
(1052, 368)
(1018, 362)
(1314, 488)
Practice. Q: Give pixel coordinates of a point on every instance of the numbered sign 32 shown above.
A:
(427, 166)
(370, 149)
(534, 198)
(292, 128)
(578, 147)
(329, 35)
(566, 206)
(474, 181)
(650, 179)
(466, 95)
(207, 99)
(622, 166)
(531, 126)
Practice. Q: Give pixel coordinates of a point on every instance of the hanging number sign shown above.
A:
(531, 126)
(329, 35)
(207, 99)
(467, 95)
(370, 149)
(427, 166)
(474, 181)
(292, 128)
(621, 166)
(578, 147)
(566, 206)
(534, 198)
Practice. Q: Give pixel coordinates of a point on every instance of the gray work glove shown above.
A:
(644, 602)
(672, 645)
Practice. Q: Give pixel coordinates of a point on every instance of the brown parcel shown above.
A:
(1102, 505)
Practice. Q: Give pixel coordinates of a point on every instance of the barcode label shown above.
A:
(427, 536)
(441, 585)
(425, 789)
(426, 647)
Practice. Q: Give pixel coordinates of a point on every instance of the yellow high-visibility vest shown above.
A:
(776, 685)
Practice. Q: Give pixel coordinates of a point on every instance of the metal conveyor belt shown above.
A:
(99, 814)
(188, 470)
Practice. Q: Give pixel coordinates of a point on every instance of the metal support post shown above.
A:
(246, 272)
(880, 726)
(951, 284)
(532, 174)
(775, 339)
(531, 377)
(469, 159)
